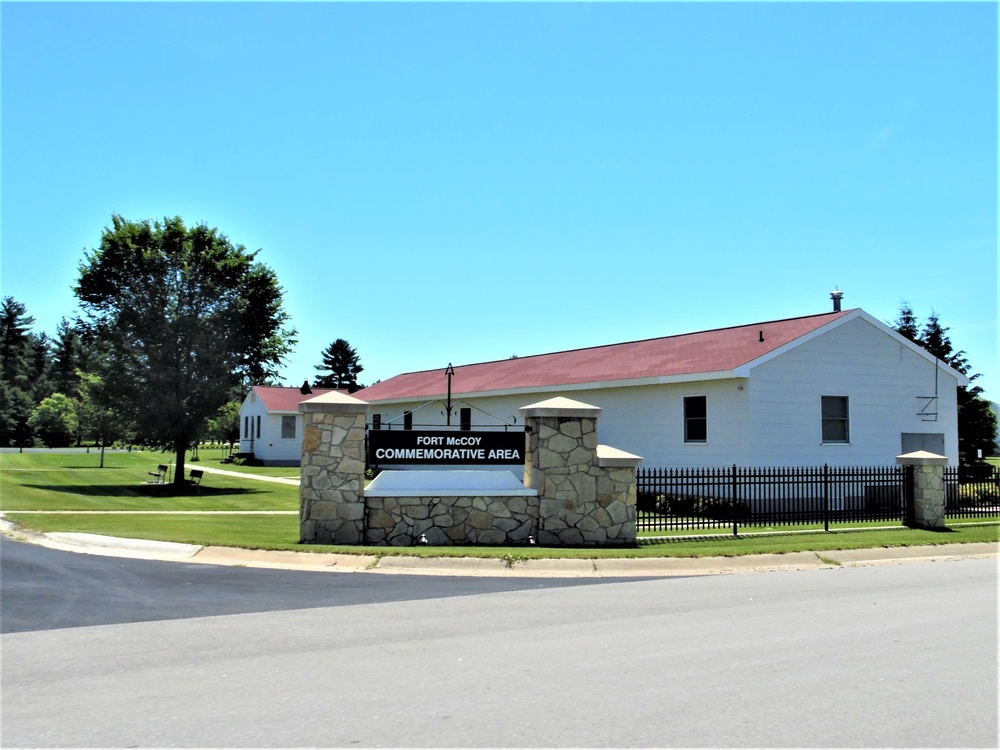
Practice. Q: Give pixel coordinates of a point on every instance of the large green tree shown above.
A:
(977, 422)
(55, 420)
(184, 317)
(342, 367)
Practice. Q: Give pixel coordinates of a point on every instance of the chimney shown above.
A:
(836, 295)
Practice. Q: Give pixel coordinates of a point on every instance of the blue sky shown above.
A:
(464, 182)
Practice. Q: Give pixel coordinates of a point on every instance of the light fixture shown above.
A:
(449, 371)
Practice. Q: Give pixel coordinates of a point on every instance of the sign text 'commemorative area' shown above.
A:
(444, 447)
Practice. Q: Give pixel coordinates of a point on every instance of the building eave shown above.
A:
(561, 388)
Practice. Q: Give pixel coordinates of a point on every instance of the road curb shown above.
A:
(510, 566)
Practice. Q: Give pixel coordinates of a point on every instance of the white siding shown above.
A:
(252, 408)
(270, 447)
(647, 421)
(882, 379)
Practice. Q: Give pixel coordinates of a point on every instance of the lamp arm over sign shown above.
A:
(449, 371)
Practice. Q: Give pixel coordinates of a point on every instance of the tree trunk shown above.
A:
(180, 449)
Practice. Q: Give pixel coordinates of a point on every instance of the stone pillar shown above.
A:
(928, 488)
(583, 499)
(331, 501)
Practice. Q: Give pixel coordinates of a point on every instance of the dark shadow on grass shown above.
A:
(151, 490)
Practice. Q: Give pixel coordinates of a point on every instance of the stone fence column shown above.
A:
(928, 488)
(584, 498)
(331, 501)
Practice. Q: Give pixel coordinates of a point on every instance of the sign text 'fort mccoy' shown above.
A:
(444, 447)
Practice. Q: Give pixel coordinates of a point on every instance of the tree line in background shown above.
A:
(177, 323)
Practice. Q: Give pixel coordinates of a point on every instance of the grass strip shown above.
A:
(282, 533)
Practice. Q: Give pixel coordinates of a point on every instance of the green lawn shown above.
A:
(213, 457)
(75, 481)
(111, 495)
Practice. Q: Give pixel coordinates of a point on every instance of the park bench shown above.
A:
(196, 475)
(160, 475)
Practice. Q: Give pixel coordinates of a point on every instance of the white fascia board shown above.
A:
(590, 386)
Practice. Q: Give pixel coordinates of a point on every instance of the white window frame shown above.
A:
(845, 420)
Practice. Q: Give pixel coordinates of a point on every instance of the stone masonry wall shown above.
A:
(332, 506)
(451, 520)
(928, 488)
(581, 502)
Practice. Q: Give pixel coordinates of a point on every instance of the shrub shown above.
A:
(697, 505)
(978, 494)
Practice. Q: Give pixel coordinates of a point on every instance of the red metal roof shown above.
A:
(280, 398)
(718, 350)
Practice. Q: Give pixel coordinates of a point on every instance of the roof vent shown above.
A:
(305, 390)
(836, 295)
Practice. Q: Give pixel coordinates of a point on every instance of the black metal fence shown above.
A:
(704, 498)
(972, 491)
(735, 497)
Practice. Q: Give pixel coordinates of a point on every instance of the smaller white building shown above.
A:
(270, 423)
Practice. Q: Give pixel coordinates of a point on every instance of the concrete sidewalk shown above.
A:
(512, 566)
(244, 475)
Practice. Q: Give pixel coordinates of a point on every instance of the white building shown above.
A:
(271, 426)
(840, 388)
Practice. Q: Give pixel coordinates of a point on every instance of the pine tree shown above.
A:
(16, 344)
(341, 363)
(907, 323)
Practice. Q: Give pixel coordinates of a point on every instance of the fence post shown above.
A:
(735, 529)
(826, 497)
(909, 476)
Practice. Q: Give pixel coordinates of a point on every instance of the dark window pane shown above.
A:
(695, 419)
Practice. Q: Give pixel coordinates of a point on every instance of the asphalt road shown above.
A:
(46, 589)
(884, 656)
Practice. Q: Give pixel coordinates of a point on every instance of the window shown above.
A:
(836, 421)
(407, 420)
(246, 428)
(258, 426)
(376, 421)
(288, 427)
(695, 419)
(465, 417)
